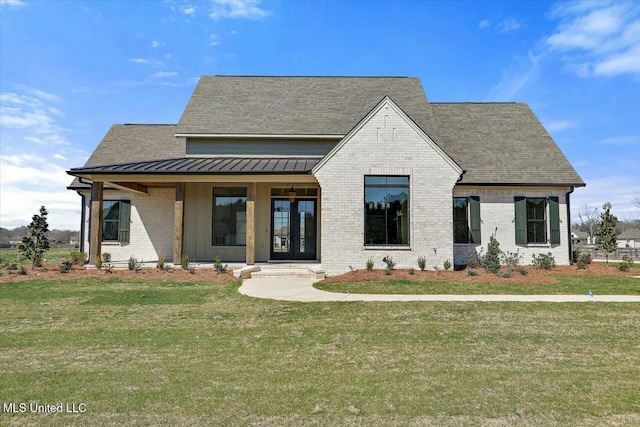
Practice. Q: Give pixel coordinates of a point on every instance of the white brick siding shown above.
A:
(151, 232)
(386, 145)
(497, 214)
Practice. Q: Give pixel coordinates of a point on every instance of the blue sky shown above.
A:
(69, 70)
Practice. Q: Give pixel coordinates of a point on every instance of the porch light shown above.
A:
(292, 195)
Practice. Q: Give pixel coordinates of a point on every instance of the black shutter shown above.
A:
(125, 219)
(474, 219)
(521, 220)
(554, 221)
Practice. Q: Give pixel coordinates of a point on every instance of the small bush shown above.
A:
(12, 266)
(369, 264)
(352, 269)
(185, 262)
(491, 261)
(387, 272)
(512, 259)
(77, 257)
(217, 264)
(99, 264)
(106, 262)
(626, 263)
(523, 271)
(544, 261)
(134, 265)
(472, 272)
(411, 271)
(584, 259)
(390, 263)
(473, 261)
(422, 263)
(65, 266)
(192, 270)
(506, 274)
(447, 265)
(162, 265)
(22, 271)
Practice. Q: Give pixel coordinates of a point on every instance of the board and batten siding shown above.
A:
(198, 224)
(204, 147)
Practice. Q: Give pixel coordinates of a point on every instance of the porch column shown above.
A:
(251, 223)
(178, 224)
(95, 233)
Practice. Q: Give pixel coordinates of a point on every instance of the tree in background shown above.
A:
(607, 231)
(35, 244)
(589, 222)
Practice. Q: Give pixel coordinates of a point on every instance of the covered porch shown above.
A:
(246, 212)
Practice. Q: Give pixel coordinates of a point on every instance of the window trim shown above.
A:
(537, 221)
(119, 228)
(364, 222)
(467, 220)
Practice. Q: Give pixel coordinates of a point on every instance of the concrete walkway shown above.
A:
(302, 290)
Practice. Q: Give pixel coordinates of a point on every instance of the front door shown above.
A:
(293, 229)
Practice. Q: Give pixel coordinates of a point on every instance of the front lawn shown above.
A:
(140, 352)
(566, 284)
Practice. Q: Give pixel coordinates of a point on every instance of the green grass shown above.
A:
(567, 284)
(194, 353)
(52, 255)
(636, 263)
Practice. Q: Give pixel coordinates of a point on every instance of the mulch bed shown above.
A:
(534, 275)
(51, 271)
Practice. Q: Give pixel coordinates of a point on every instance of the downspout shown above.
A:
(82, 217)
(568, 202)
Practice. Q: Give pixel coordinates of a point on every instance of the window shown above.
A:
(386, 207)
(115, 220)
(533, 216)
(466, 219)
(229, 216)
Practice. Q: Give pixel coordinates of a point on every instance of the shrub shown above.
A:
(65, 266)
(12, 266)
(352, 269)
(217, 264)
(511, 259)
(106, 262)
(422, 263)
(161, 264)
(411, 271)
(523, 271)
(77, 257)
(584, 259)
(22, 271)
(506, 274)
(369, 264)
(491, 261)
(35, 244)
(447, 265)
(387, 272)
(544, 261)
(472, 272)
(473, 261)
(390, 263)
(185, 262)
(133, 264)
(626, 263)
(192, 270)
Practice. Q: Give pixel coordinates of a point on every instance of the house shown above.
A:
(629, 238)
(335, 170)
(579, 237)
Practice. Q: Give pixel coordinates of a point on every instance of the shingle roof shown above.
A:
(133, 143)
(208, 165)
(501, 143)
(296, 105)
(630, 234)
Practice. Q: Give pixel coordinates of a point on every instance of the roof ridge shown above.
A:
(309, 76)
(146, 124)
(476, 102)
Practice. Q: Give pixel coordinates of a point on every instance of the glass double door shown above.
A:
(293, 229)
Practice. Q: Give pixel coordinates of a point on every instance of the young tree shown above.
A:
(607, 231)
(36, 243)
(589, 221)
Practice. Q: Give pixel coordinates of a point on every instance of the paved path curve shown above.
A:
(302, 290)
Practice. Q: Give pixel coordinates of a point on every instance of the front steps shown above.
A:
(311, 271)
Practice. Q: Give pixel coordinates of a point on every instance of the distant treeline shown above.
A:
(55, 236)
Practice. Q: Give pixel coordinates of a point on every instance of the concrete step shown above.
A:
(284, 272)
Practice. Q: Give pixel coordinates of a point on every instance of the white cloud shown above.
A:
(156, 43)
(622, 140)
(560, 125)
(30, 181)
(241, 9)
(213, 40)
(189, 10)
(59, 156)
(598, 38)
(526, 70)
(34, 113)
(618, 189)
(508, 25)
(139, 61)
(164, 74)
(484, 23)
(12, 3)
